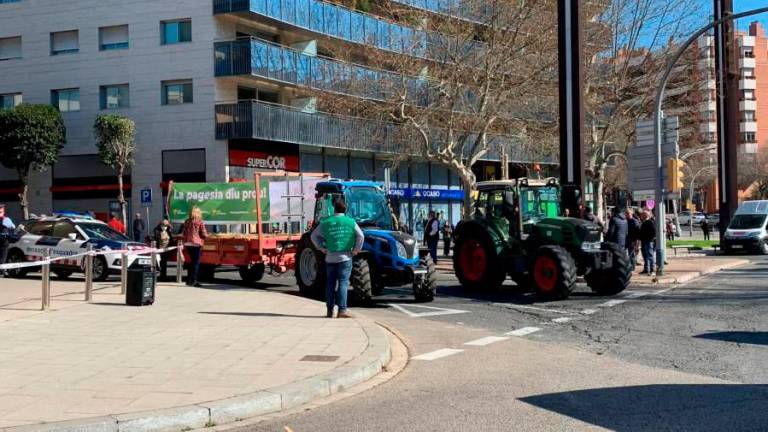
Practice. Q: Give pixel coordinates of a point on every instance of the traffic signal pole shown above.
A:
(571, 102)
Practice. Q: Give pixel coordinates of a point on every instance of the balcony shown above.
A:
(708, 127)
(452, 8)
(335, 21)
(708, 106)
(749, 148)
(259, 120)
(747, 84)
(748, 126)
(748, 105)
(255, 57)
(747, 63)
(746, 41)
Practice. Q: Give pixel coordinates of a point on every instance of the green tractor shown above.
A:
(516, 231)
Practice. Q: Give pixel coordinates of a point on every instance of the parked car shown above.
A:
(685, 218)
(714, 220)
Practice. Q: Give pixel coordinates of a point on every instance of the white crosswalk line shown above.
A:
(636, 294)
(434, 355)
(523, 331)
(611, 303)
(588, 311)
(486, 341)
(562, 320)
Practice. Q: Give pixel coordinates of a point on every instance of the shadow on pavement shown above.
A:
(744, 337)
(263, 314)
(668, 407)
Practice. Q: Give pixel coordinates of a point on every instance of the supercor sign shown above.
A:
(261, 160)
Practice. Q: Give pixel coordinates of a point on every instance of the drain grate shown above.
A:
(319, 358)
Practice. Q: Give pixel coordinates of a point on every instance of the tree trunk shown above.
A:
(599, 183)
(469, 182)
(23, 203)
(121, 196)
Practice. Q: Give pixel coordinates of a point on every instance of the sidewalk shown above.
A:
(249, 351)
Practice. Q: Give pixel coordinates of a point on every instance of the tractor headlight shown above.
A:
(401, 252)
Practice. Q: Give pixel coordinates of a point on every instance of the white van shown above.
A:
(747, 230)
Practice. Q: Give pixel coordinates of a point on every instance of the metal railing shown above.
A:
(252, 56)
(261, 120)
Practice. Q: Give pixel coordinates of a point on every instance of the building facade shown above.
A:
(217, 88)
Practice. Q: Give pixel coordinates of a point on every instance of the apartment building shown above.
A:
(218, 89)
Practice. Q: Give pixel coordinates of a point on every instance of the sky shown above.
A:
(744, 5)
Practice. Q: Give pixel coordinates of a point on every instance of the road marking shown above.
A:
(636, 294)
(611, 303)
(434, 355)
(434, 311)
(517, 306)
(486, 341)
(562, 320)
(523, 331)
(588, 311)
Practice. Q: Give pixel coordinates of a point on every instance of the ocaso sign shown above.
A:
(260, 160)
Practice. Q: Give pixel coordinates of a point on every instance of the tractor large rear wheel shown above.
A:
(476, 262)
(553, 272)
(615, 279)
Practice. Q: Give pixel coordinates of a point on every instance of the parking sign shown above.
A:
(146, 197)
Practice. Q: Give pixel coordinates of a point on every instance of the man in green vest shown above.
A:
(340, 239)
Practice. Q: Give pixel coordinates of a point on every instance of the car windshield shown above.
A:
(747, 221)
(369, 207)
(102, 232)
(539, 202)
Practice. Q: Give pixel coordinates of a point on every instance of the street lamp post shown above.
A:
(658, 129)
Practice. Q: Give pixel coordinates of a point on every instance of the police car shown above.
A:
(68, 235)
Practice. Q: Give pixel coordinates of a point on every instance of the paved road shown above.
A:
(689, 358)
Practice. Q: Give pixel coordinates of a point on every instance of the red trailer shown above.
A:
(270, 245)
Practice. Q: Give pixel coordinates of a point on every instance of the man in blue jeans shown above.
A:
(647, 242)
(340, 239)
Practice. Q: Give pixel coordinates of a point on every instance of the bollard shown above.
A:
(46, 297)
(123, 273)
(179, 262)
(89, 274)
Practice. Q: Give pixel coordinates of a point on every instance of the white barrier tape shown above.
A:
(127, 252)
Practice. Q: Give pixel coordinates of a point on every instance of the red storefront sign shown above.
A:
(262, 160)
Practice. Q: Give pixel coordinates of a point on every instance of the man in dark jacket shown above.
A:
(617, 228)
(633, 236)
(647, 242)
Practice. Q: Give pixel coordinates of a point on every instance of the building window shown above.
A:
(114, 96)
(177, 31)
(65, 42)
(66, 100)
(749, 137)
(749, 116)
(10, 48)
(177, 92)
(113, 38)
(10, 100)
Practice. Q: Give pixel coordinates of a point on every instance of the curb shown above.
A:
(693, 275)
(205, 414)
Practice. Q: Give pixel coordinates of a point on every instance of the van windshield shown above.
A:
(747, 221)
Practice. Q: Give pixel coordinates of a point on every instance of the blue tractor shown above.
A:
(389, 258)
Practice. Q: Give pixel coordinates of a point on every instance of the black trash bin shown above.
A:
(140, 287)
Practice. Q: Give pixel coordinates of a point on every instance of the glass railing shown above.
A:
(260, 120)
(341, 23)
(251, 56)
(453, 8)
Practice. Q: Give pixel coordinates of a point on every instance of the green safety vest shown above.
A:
(339, 233)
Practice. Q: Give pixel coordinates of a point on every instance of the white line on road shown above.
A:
(636, 294)
(523, 331)
(588, 311)
(611, 303)
(562, 320)
(434, 311)
(486, 341)
(517, 306)
(434, 355)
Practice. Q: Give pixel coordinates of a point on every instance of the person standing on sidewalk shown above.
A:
(617, 228)
(432, 235)
(139, 226)
(6, 230)
(193, 234)
(340, 239)
(162, 236)
(633, 235)
(647, 240)
(705, 229)
(447, 238)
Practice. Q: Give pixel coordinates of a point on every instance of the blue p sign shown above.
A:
(146, 197)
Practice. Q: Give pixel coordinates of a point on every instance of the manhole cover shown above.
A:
(319, 358)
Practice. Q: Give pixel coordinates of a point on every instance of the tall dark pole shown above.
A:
(571, 103)
(727, 78)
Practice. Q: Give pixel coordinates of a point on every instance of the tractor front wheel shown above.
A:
(310, 270)
(476, 263)
(361, 282)
(553, 272)
(425, 285)
(615, 279)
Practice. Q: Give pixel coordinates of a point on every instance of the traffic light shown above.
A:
(675, 175)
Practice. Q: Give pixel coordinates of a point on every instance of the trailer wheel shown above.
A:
(554, 272)
(425, 286)
(251, 274)
(360, 282)
(615, 279)
(309, 270)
